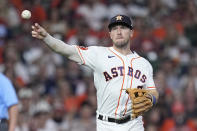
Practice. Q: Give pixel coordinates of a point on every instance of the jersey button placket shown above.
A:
(123, 100)
(128, 79)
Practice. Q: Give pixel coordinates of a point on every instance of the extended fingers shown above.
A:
(34, 33)
(37, 26)
(38, 31)
(33, 28)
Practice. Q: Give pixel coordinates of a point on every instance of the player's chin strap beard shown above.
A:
(122, 45)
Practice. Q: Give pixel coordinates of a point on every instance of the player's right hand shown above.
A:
(38, 31)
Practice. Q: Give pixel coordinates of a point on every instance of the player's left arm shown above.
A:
(154, 95)
(152, 90)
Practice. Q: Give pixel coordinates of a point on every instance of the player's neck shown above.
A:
(124, 50)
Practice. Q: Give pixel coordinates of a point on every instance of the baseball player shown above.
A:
(115, 69)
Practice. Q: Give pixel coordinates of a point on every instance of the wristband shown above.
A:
(154, 101)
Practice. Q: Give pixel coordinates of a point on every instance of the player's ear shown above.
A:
(131, 34)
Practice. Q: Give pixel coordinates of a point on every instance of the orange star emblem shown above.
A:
(119, 17)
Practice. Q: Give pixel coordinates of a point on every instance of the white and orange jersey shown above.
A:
(114, 72)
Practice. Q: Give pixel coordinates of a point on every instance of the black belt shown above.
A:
(119, 121)
(3, 120)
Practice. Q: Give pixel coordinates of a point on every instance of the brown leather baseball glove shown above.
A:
(141, 101)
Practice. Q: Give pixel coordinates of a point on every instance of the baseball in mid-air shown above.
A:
(26, 14)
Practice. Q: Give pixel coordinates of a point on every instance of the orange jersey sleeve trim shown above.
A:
(152, 87)
(79, 52)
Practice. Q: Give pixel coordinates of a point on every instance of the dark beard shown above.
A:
(122, 45)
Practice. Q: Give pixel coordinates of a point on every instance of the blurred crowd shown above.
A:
(58, 95)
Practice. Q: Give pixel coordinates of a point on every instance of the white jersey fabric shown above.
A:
(114, 72)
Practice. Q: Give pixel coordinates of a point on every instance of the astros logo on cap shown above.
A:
(119, 17)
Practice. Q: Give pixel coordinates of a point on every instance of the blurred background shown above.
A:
(58, 95)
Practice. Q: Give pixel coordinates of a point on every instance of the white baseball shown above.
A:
(26, 14)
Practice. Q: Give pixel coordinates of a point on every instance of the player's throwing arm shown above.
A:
(57, 45)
